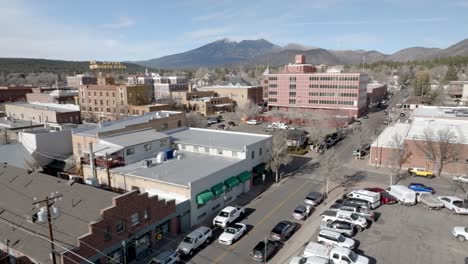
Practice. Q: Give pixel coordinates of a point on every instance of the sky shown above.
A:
(145, 29)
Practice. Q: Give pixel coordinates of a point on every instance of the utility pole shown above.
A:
(107, 170)
(265, 257)
(49, 201)
(6, 137)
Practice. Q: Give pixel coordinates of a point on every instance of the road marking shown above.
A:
(232, 247)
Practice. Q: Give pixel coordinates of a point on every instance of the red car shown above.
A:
(385, 197)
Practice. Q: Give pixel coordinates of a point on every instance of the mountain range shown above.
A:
(226, 52)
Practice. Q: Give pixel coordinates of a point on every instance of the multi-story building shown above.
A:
(44, 113)
(300, 88)
(165, 85)
(108, 101)
(89, 224)
(242, 95)
(376, 92)
(208, 168)
(419, 142)
(183, 98)
(10, 94)
(54, 95)
(80, 79)
(161, 121)
(458, 91)
(210, 105)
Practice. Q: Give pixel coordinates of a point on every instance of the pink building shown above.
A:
(300, 88)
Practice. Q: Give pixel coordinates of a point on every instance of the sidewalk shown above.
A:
(308, 230)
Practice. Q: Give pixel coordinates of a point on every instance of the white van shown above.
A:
(372, 197)
(403, 194)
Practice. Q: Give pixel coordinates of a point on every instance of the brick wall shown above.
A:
(124, 206)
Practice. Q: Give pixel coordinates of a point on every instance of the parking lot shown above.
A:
(412, 234)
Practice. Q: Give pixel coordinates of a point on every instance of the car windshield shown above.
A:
(354, 217)
(223, 214)
(259, 247)
(188, 240)
(341, 239)
(353, 256)
(230, 230)
(300, 210)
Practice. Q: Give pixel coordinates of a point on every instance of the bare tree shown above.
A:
(279, 152)
(329, 162)
(360, 138)
(248, 110)
(336, 121)
(316, 134)
(400, 155)
(195, 119)
(441, 146)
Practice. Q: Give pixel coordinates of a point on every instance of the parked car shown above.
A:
(232, 233)
(252, 122)
(228, 215)
(461, 233)
(345, 228)
(283, 230)
(385, 197)
(333, 215)
(269, 129)
(372, 197)
(461, 178)
(421, 172)
(332, 238)
(301, 212)
(258, 252)
(314, 198)
(359, 152)
(353, 201)
(221, 126)
(212, 121)
(361, 211)
(336, 254)
(230, 123)
(402, 114)
(194, 240)
(375, 189)
(420, 188)
(454, 204)
(166, 257)
(308, 260)
(365, 116)
(404, 195)
(278, 125)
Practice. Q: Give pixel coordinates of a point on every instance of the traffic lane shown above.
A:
(270, 209)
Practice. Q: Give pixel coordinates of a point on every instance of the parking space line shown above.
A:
(262, 220)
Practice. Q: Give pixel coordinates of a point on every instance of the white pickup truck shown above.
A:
(350, 217)
(194, 240)
(335, 254)
(454, 204)
(228, 215)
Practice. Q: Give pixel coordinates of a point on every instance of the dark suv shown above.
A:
(258, 252)
(283, 230)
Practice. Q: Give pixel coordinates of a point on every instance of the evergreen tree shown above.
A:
(451, 74)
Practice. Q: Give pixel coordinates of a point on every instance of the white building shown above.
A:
(211, 168)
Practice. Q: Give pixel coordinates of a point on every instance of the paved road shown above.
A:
(277, 203)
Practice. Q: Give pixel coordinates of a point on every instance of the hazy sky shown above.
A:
(137, 30)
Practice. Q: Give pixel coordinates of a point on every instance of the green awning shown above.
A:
(245, 176)
(231, 182)
(218, 189)
(204, 197)
(259, 168)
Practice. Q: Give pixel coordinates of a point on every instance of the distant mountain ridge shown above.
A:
(226, 52)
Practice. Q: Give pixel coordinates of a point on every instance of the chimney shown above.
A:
(91, 159)
(300, 59)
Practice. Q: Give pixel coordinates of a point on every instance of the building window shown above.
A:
(182, 146)
(201, 216)
(146, 214)
(119, 226)
(207, 150)
(273, 78)
(107, 233)
(135, 219)
(272, 100)
(195, 148)
(147, 146)
(113, 94)
(220, 152)
(253, 154)
(130, 151)
(214, 208)
(292, 94)
(260, 152)
(179, 123)
(292, 79)
(292, 101)
(292, 87)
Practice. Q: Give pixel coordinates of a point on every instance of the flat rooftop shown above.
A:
(216, 138)
(79, 206)
(441, 112)
(134, 138)
(120, 124)
(386, 138)
(190, 168)
(420, 124)
(18, 124)
(61, 108)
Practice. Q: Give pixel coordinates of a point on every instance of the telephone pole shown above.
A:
(108, 173)
(49, 201)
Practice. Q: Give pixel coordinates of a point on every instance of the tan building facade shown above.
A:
(111, 102)
(43, 113)
(241, 95)
(211, 105)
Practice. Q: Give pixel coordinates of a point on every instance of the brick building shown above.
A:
(376, 92)
(44, 113)
(300, 88)
(420, 135)
(240, 94)
(210, 105)
(53, 95)
(108, 101)
(88, 223)
(458, 92)
(80, 79)
(10, 94)
(161, 121)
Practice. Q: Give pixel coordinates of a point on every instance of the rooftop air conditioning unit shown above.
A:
(147, 163)
(42, 215)
(92, 181)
